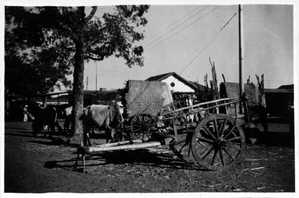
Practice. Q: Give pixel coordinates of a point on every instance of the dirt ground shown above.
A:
(39, 164)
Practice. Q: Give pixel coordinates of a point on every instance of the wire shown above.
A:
(228, 21)
(176, 25)
(185, 27)
(209, 44)
(173, 25)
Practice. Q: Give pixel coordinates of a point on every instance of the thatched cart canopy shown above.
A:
(147, 97)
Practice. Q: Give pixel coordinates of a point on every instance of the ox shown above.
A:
(106, 117)
(44, 116)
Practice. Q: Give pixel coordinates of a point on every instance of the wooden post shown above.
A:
(236, 113)
(96, 76)
(240, 54)
(86, 83)
(206, 81)
(214, 80)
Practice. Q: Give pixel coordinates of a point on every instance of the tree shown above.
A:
(30, 75)
(82, 37)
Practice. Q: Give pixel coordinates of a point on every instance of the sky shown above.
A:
(181, 39)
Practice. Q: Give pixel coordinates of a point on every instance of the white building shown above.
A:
(184, 92)
(176, 83)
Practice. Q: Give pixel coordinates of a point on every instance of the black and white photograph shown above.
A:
(133, 97)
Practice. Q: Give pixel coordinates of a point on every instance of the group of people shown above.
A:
(44, 118)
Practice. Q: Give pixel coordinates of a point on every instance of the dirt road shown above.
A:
(39, 164)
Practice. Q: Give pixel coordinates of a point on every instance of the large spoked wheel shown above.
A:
(217, 142)
(140, 127)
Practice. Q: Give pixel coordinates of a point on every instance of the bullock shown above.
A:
(44, 116)
(106, 117)
(68, 121)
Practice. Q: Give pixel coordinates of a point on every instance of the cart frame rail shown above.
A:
(212, 124)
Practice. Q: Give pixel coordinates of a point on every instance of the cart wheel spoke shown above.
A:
(207, 153)
(233, 150)
(222, 127)
(208, 132)
(216, 127)
(214, 156)
(217, 133)
(230, 131)
(221, 157)
(228, 154)
(204, 140)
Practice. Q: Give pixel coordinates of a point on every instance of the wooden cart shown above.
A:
(208, 134)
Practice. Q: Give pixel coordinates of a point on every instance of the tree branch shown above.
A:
(94, 58)
(68, 30)
(91, 14)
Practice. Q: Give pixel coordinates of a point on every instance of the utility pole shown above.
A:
(96, 75)
(240, 53)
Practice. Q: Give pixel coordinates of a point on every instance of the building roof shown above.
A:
(290, 86)
(161, 77)
(282, 91)
(198, 86)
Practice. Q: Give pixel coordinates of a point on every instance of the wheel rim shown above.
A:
(183, 147)
(217, 142)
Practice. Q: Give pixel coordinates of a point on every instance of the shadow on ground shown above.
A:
(137, 157)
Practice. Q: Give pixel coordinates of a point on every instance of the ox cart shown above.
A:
(208, 134)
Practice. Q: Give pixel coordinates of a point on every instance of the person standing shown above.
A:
(25, 113)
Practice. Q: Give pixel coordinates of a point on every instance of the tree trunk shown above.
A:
(78, 93)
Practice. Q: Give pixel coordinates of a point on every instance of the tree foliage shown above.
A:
(41, 41)
(62, 37)
(30, 70)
